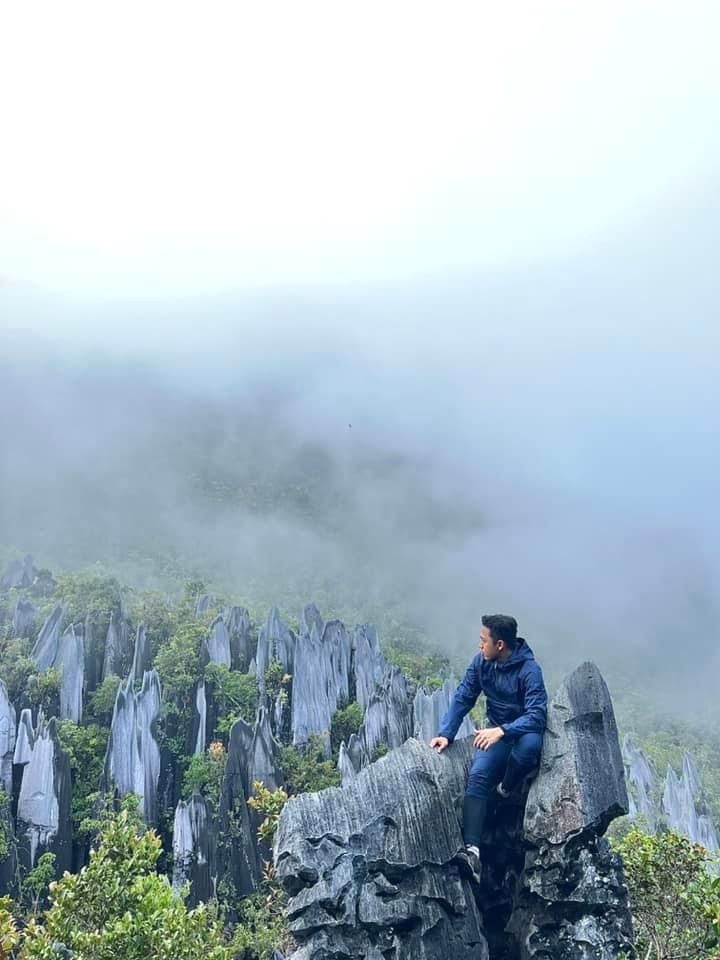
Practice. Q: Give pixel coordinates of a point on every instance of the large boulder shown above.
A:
(370, 867)
(572, 902)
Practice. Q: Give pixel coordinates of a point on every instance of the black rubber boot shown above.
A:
(474, 811)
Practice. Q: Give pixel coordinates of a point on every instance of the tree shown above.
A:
(119, 908)
(675, 902)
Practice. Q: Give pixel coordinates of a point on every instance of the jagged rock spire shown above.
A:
(46, 646)
(194, 845)
(23, 621)
(216, 645)
(7, 739)
(429, 709)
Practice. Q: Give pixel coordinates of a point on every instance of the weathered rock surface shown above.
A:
(141, 655)
(572, 902)
(24, 617)
(275, 642)
(203, 603)
(680, 801)
(239, 628)
(365, 875)
(640, 778)
(43, 813)
(132, 761)
(46, 646)
(429, 709)
(70, 664)
(7, 739)
(321, 681)
(25, 739)
(201, 708)
(370, 665)
(118, 649)
(194, 849)
(216, 646)
(19, 574)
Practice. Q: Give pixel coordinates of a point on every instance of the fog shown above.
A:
(420, 320)
(539, 441)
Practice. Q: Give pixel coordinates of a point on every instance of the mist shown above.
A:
(539, 441)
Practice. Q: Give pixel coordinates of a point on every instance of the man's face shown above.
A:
(488, 648)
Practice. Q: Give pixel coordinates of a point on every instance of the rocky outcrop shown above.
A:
(132, 761)
(321, 681)
(19, 574)
(70, 664)
(371, 868)
(25, 739)
(216, 646)
(572, 901)
(7, 739)
(366, 876)
(275, 642)
(23, 621)
(369, 664)
(640, 778)
(43, 813)
(141, 655)
(118, 648)
(429, 709)
(46, 646)
(203, 604)
(201, 719)
(194, 850)
(239, 628)
(237, 852)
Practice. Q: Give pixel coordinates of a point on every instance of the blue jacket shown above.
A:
(514, 690)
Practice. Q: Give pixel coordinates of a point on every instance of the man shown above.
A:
(507, 673)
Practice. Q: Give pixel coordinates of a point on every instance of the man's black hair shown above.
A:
(502, 627)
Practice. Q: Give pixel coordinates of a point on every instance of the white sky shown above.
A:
(165, 149)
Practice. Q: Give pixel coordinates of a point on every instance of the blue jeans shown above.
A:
(506, 762)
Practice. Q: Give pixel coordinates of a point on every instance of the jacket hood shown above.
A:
(520, 655)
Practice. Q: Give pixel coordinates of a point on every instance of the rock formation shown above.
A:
(25, 739)
(371, 868)
(370, 665)
(239, 628)
(7, 739)
(430, 708)
(194, 850)
(70, 664)
(43, 813)
(203, 603)
(132, 762)
(141, 655)
(46, 646)
(118, 652)
(321, 681)
(572, 901)
(365, 874)
(23, 621)
(275, 642)
(640, 778)
(238, 858)
(216, 646)
(201, 708)
(19, 574)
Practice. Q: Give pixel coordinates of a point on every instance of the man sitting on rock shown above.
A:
(507, 672)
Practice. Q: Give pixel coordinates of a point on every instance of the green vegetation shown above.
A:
(85, 747)
(310, 770)
(235, 695)
(205, 774)
(345, 722)
(675, 900)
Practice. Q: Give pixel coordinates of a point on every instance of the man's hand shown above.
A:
(439, 743)
(484, 739)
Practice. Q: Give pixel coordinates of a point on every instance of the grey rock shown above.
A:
(275, 642)
(238, 856)
(203, 603)
(572, 902)
(46, 646)
(117, 659)
(239, 628)
(19, 574)
(132, 761)
(582, 786)
(70, 664)
(320, 681)
(365, 876)
(369, 663)
(237, 766)
(640, 778)
(311, 617)
(264, 762)
(43, 814)
(201, 708)
(388, 715)
(141, 655)
(194, 847)
(7, 739)
(429, 709)
(25, 738)
(24, 617)
(216, 645)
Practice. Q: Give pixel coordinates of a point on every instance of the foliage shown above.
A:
(310, 770)
(9, 933)
(4, 818)
(16, 668)
(277, 681)
(85, 747)
(262, 926)
(205, 774)
(675, 902)
(235, 695)
(345, 722)
(178, 665)
(119, 908)
(159, 615)
(101, 703)
(43, 692)
(96, 594)
(35, 885)
(270, 803)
